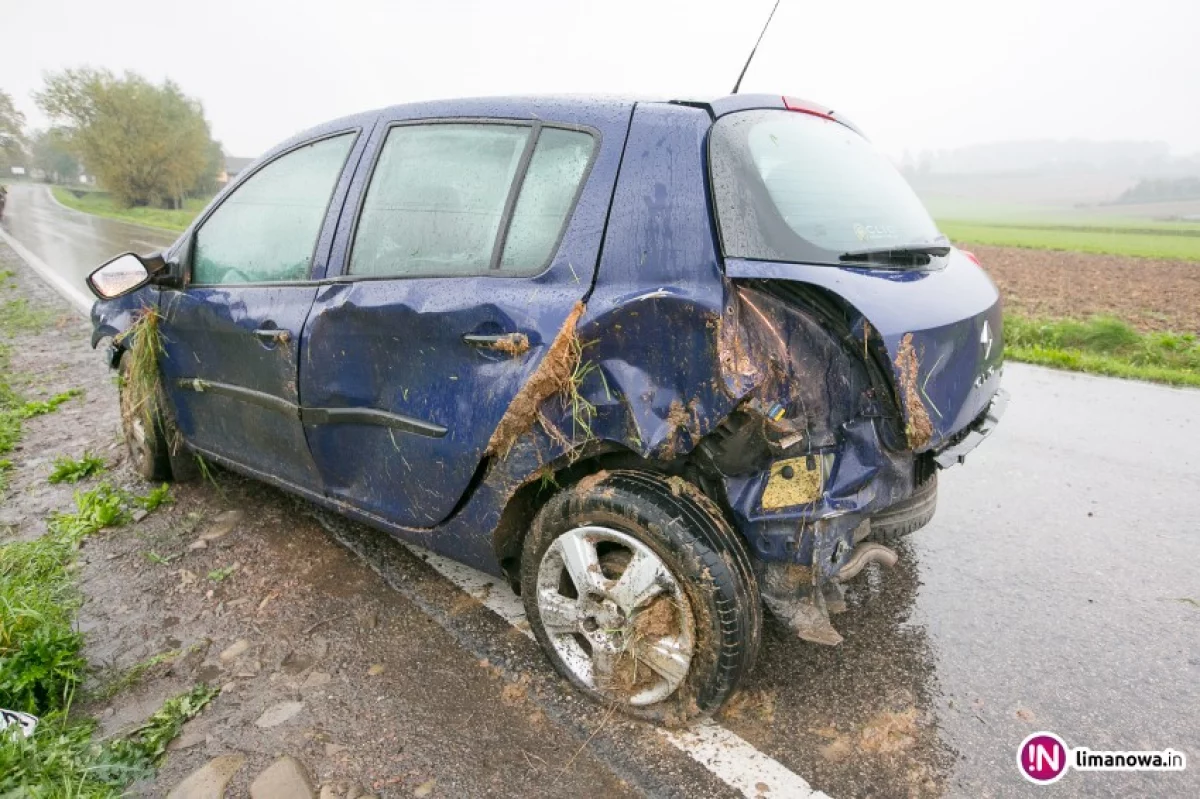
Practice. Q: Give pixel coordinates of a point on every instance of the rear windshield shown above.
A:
(795, 187)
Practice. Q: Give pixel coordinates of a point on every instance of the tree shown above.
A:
(207, 183)
(51, 151)
(146, 143)
(12, 141)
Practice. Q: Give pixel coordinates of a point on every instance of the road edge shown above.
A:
(165, 231)
(75, 297)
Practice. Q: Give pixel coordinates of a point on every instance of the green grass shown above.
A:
(14, 411)
(1106, 346)
(17, 317)
(64, 759)
(100, 204)
(69, 470)
(1139, 238)
(133, 675)
(156, 497)
(42, 666)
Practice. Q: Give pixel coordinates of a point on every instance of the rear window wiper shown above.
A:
(917, 253)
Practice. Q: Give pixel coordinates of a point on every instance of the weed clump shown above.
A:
(140, 379)
(42, 666)
(69, 470)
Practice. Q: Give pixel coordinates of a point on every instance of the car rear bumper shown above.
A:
(974, 434)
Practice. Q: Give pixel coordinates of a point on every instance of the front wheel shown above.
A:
(642, 595)
(143, 427)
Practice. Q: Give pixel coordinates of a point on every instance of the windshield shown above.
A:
(796, 187)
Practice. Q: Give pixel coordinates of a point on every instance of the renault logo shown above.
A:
(985, 339)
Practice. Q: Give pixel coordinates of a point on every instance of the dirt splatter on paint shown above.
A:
(919, 429)
(552, 376)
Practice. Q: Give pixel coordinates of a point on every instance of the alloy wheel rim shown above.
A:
(615, 614)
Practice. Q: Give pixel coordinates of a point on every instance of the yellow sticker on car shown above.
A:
(792, 482)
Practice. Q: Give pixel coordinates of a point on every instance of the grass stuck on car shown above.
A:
(656, 364)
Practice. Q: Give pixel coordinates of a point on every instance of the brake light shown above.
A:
(805, 107)
(973, 257)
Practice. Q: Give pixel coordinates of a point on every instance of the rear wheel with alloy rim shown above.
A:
(642, 595)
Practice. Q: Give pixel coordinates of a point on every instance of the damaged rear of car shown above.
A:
(872, 344)
(655, 363)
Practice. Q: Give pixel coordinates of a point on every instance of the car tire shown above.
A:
(906, 517)
(601, 632)
(148, 449)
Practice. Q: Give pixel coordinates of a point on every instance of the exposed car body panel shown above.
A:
(944, 310)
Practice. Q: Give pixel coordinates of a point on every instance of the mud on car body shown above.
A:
(655, 363)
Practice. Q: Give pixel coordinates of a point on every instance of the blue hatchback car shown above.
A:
(655, 363)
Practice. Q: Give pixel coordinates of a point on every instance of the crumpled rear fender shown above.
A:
(723, 387)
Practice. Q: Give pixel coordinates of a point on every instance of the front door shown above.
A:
(232, 337)
(468, 232)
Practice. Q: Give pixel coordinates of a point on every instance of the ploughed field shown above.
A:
(1148, 294)
(1110, 314)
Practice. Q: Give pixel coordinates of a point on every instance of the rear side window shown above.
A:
(439, 196)
(547, 196)
(795, 187)
(266, 230)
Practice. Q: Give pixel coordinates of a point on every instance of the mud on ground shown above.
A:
(1146, 293)
(316, 656)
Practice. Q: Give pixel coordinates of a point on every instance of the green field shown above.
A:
(1106, 346)
(100, 204)
(1133, 237)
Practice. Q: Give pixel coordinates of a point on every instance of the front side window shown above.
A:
(795, 187)
(267, 229)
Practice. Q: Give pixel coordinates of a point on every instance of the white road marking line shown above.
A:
(739, 764)
(494, 594)
(727, 755)
(79, 301)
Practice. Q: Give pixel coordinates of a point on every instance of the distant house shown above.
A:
(233, 166)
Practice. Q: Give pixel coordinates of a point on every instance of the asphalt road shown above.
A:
(1057, 589)
(71, 242)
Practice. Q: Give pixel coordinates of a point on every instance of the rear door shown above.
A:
(232, 336)
(467, 232)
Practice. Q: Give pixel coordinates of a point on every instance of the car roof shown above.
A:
(564, 106)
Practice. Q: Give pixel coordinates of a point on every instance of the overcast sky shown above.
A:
(923, 74)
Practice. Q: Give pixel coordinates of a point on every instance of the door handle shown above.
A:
(272, 335)
(509, 343)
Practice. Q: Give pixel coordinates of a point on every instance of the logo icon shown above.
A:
(985, 339)
(861, 232)
(1042, 757)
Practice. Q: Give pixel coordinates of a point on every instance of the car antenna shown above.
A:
(754, 49)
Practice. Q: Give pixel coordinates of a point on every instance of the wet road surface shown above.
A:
(1055, 590)
(70, 242)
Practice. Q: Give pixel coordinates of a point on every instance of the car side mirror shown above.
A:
(122, 275)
